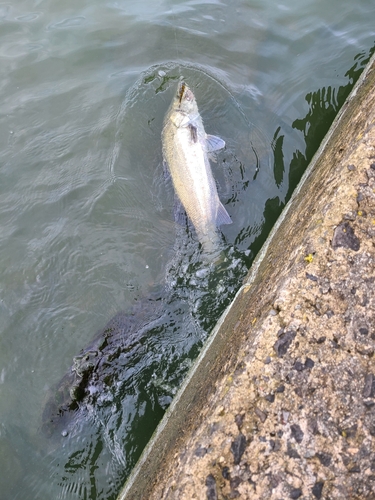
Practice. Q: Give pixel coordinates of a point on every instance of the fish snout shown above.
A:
(181, 90)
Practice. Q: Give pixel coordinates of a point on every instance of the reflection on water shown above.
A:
(87, 212)
(324, 105)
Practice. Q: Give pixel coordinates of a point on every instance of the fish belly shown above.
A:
(195, 186)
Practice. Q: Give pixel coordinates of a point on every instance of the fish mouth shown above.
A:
(184, 94)
(181, 90)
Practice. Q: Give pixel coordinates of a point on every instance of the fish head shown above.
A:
(186, 100)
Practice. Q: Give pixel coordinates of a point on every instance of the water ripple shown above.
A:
(72, 22)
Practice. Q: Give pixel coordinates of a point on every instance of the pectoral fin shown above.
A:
(193, 133)
(214, 143)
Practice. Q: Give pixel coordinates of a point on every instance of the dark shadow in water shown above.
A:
(278, 163)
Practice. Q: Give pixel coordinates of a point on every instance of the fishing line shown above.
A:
(175, 39)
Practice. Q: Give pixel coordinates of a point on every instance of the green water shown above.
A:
(87, 213)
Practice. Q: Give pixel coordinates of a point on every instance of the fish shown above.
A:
(186, 151)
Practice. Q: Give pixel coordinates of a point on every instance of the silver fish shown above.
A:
(186, 149)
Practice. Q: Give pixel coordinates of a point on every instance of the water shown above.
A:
(87, 212)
